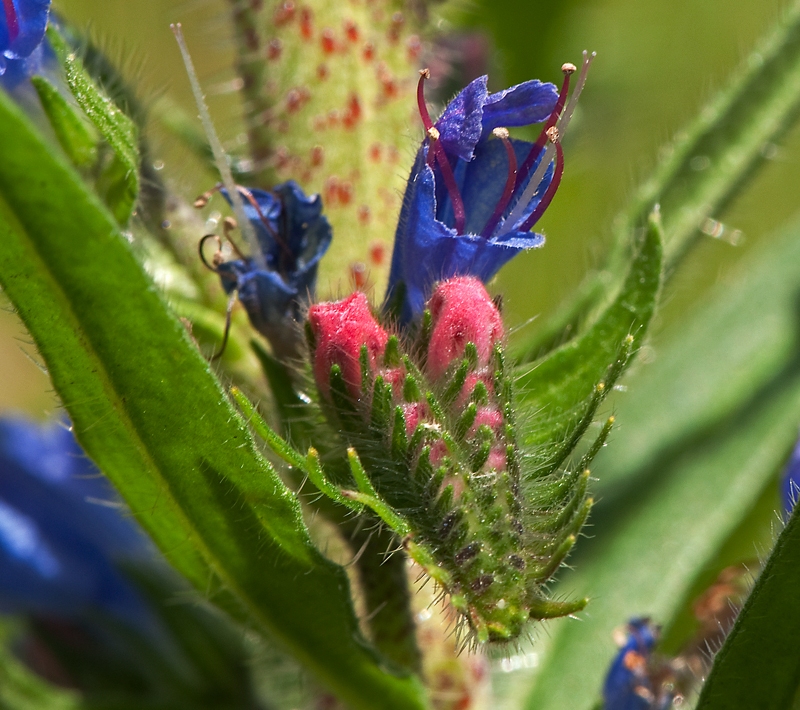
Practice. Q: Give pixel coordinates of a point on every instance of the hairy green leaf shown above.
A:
(561, 391)
(147, 408)
(644, 561)
(710, 365)
(759, 666)
(119, 180)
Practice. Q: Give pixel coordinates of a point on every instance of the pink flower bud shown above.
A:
(341, 329)
(462, 312)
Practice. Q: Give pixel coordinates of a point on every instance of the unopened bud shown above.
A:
(341, 329)
(461, 312)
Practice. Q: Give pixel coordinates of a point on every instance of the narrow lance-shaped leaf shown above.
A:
(759, 666)
(562, 390)
(147, 408)
(729, 138)
(645, 560)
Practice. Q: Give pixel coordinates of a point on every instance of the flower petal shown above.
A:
(22, 26)
(521, 105)
(460, 125)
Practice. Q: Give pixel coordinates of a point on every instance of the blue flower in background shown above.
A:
(62, 531)
(474, 193)
(22, 27)
(293, 235)
(790, 482)
(628, 685)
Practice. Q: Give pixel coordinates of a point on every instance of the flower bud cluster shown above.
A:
(431, 421)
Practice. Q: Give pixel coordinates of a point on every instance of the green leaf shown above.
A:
(759, 666)
(646, 559)
(147, 408)
(710, 365)
(561, 390)
(702, 432)
(73, 134)
(20, 689)
(119, 180)
(727, 141)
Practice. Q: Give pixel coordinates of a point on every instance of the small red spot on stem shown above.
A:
(297, 98)
(358, 272)
(328, 41)
(413, 48)
(284, 13)
(351, 30)
(274, 49)
(345, 192)
(375, 152)
(317, 155)
(396, 26)
(331, 190)
(368, 52)
(323, 72)
(306, 23)
(364, 214)
(352, 113)
(377, 253)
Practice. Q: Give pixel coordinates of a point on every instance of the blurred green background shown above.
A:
(658, 63)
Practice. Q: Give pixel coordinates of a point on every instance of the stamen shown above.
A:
(423, 109)
(552, 149)
(436, 151)
(217, 254)
(508, 190)
(536, 148)
(220, 157)
(226, 334)
(547, 198)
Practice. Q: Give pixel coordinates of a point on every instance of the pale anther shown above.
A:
(501, 132)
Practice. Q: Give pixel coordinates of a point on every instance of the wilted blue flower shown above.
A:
(22, 51)
(472, 198)
(62, 533)
(790, 482)
(628, 685)
(293, 235)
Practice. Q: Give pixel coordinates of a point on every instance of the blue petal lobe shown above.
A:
(521, 105)
(22, 26)
(460, 125)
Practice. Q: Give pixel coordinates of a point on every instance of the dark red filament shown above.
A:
(11, 19)
(538, 146)
(547, 198)
(508, 191)
(436, 150)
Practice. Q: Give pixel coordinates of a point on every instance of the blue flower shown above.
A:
(628, 685)
(474, 193)
(790, 482)
(62, 535)
(22, 27)
(293, 235)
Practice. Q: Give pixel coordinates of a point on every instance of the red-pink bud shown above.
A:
(462, 312)
(341, 329)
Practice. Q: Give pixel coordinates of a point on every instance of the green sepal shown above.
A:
(399, 438)
(546, 609)
(74, 135)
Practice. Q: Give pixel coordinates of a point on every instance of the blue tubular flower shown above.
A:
(628, 685)
(293, 235)
(22, 26)
(61, 532)
(472, 199)
(790, 482)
